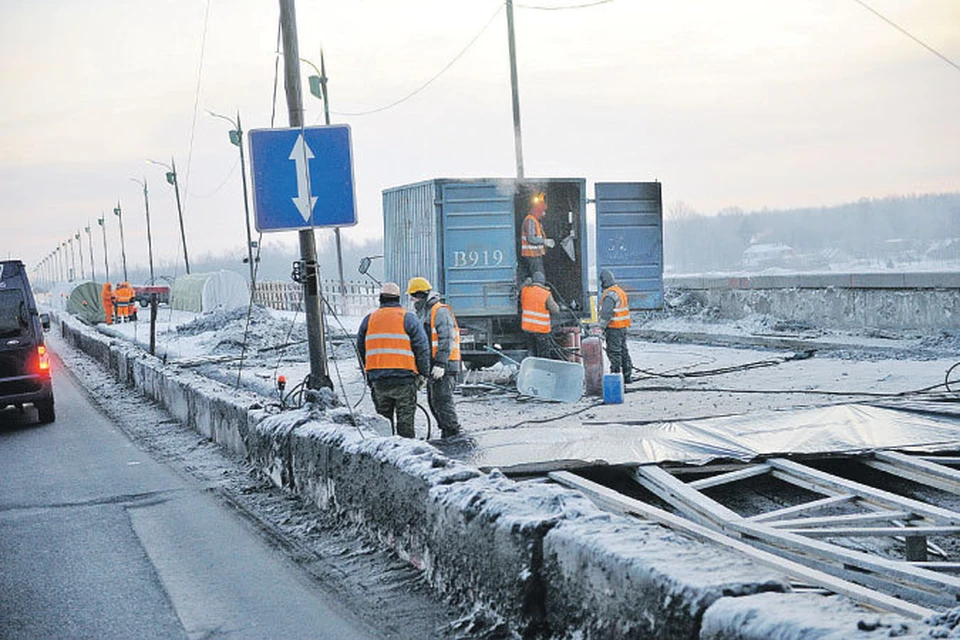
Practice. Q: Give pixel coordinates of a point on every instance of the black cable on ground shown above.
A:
(702, 373)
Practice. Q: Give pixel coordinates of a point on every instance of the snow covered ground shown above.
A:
(674, 382)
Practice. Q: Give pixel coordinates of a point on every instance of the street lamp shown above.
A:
(93, 269)
(103, 227)
(63, 260)
(172, 179)
(80, 251)
(318, 87)
(73, 260)
(146, 206)
(236, 138)
(123, 247)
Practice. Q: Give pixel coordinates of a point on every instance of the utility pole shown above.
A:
(176, 190)
(336, 230)
(83, 275)
(146, 206)
(319, 376)
(102, 221)
(73, 260)
(93, 269)
(517, 137)
(123, 246)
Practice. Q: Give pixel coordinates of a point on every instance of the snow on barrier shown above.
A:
(539, 555)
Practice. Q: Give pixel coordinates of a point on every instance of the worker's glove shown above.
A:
(421, 382)
(437, 372)
(549, 243)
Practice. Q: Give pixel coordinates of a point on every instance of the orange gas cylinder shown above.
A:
(592, 351)
(569, 339)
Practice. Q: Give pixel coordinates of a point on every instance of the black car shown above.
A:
(24, 361)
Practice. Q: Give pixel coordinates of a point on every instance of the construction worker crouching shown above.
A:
(537, 303)
(614, 318)
(441, 325)
(533, 241)
(395, 353)
(106, 297)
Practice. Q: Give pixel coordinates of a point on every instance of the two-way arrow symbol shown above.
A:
(302, 155)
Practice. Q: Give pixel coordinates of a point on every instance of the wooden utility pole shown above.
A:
(517, 136)
(319, 376)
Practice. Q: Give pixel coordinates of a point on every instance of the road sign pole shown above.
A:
(319, 376)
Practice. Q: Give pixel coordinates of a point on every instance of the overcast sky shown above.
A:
(742, 103)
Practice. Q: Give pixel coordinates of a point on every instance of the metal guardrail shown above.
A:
(358, 298)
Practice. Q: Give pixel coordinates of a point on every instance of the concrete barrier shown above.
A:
(540, 556)
(895, 302)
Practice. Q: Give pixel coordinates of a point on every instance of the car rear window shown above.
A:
(14, 319)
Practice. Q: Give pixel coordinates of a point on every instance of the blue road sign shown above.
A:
(302, 178)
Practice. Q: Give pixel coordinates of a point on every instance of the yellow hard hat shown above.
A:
(418, 284)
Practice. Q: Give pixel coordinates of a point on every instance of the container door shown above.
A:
(479, 247)
(630, 239)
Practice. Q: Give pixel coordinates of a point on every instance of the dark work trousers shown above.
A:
(540, 344)
(440, 399)
(618, 353)
(396, 396)
(532, 266)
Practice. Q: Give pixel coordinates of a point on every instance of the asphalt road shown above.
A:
(97, 540)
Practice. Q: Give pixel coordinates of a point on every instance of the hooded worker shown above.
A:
(615, 319)
(533, 242)
(106, 297)
(441, 325)
(537, 303)
(395, 354)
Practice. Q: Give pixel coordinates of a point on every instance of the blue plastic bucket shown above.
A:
(613, 388)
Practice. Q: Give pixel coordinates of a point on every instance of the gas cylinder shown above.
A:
(591, 348)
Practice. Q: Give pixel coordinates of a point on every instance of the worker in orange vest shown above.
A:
(106, 297)
(537, 303)
(441, 325)
(395, 354)
(614, 318)
(533, 241)
(124, 297)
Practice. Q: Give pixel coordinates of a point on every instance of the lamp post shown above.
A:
(93, 269)
(172, 179)
(103, 227)
(236, 138)
(63, 260)
(76, 236)
(318, 87)
(73, 260)
(146, 206)
(123, 247)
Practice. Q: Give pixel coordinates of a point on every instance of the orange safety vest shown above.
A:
(435, 339)
(621, 312)
(528, 250)
(388, 345)
(535, 317)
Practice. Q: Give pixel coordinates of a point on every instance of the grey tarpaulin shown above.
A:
(836, 429)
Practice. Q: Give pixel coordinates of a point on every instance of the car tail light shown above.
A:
(43, 359)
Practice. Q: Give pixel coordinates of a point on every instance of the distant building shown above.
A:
(763, 256)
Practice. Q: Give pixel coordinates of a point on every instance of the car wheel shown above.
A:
(46, 412)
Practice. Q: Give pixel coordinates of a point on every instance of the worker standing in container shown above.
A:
(537, 303)
(533, 241)
(614, 319)
(441, 325)
(396, 358)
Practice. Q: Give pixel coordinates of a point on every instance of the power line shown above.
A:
(428, 82)
(563, 8)
(196, 98)
(908, 34)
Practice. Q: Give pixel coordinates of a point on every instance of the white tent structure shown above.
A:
(207, 292)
